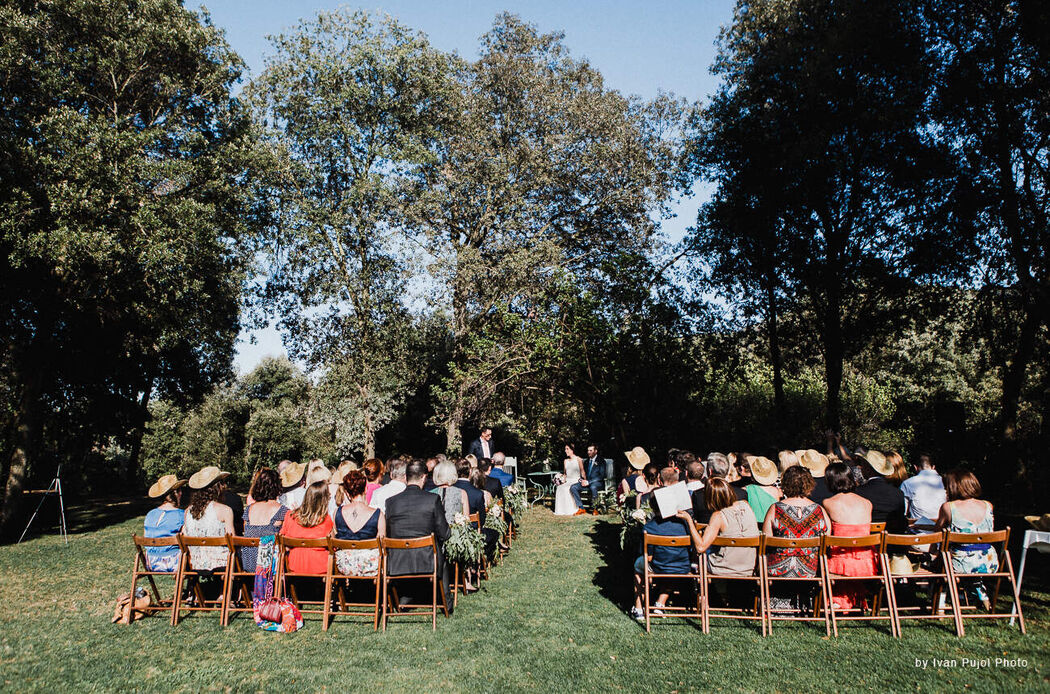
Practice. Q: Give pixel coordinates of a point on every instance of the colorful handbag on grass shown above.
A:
(269, 612)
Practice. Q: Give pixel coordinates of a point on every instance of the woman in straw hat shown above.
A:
(208, 517)
(164, 521)
(763, 492)
(637, 458)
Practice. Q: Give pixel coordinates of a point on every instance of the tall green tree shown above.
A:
(125, 171)
(354, 104)
(544, 172)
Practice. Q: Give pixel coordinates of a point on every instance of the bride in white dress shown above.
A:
(564, 505)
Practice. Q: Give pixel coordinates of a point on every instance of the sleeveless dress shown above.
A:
(163, 523)
(977, 558)
(307, 560)
(249, 555)
(564, 505)
(796, 522)
(851, 562)
(735, 561)
(357, 562)
(760, 500)
(208, 525)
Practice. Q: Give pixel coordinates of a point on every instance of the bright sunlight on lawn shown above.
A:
(550, 619)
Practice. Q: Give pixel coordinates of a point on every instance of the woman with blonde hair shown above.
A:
(309, 521)
(900, 471)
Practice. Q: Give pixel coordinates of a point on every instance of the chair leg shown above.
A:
(647, 609)
(383, 619)
(326, 612)
(1016, 591)
(180, 576)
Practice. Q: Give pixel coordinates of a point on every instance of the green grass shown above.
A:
(550, 619)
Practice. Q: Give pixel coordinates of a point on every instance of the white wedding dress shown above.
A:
(564, 504)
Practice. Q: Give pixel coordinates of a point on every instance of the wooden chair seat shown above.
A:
(393, 545)
(194, 575)
(873, 542)
(237, 584)
(649, 577)
(140, 568)
(339, 579)
(287, 579)
(820, 611)
(707, 578)
(938, 579)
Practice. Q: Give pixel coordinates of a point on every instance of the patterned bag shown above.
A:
(271, 614)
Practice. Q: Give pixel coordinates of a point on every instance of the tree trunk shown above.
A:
(1014, 373)
(833, 347)
(370, 429)
(26, 432)
(137, 436)
(775, 356)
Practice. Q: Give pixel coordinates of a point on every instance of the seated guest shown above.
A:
(395, 486)
(264, 515)
(208, 517)
(730, 517)
(164, 521)
(900, 472)
(786, 459)
(492, 485)
(504, 477)
(650, 473)
(373, 469)
(965, 512)
(669, 560)
(415, 513)
(475, 496)
(682, 459)
(472, 459)
(717, 467)
(309, 521)
(850, 516)
(428, 483)
(637, 458)
(764, 492)
(816, 463)
(453, 499)
(356, 520)
(794, 516)
(335, 483)
(887, 501)
(477, 478)
(743, 470)
(924, 493)
(694, 477)
(293, 486)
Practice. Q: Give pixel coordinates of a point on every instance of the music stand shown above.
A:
(54, 488)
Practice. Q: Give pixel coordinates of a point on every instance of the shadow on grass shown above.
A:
(613, 578)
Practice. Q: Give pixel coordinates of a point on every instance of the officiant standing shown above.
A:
(483, 446)
(593, 478)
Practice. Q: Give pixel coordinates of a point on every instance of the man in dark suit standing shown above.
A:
(483, 446)
(592, 477)
(416, 513)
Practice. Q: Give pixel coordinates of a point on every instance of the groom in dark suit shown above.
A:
(592, 476)
(416, 513)
(483, 446)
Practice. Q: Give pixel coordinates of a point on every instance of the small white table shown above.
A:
(1040, 540)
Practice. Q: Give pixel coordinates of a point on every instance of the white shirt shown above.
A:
(388, 490)
(693, 485)
(293, 499)
(925, 494)
(486, 453)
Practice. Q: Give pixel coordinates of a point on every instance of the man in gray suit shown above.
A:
(416, 513)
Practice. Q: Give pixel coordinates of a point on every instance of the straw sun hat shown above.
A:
(292, 474)
(637, 457)
(164, 485)
(814, 461)
(205, 476)
(763, 470)
(879, 463)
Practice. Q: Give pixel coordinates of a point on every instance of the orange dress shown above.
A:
(307, 560)
(851, 562)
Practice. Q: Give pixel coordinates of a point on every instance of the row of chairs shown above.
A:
(937, 577)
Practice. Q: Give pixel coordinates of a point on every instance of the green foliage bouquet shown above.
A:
(494, 519)
(465, 543)
(633, 520)
(515, 502)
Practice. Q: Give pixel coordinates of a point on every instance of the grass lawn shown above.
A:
(550, 619)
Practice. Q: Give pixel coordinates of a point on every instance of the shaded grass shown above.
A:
(550, 619)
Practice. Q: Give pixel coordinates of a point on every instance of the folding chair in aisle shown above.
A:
(934, 575)
(820, 598)
(649, 577)
(999, 540)
(755, 578)
(140, 568)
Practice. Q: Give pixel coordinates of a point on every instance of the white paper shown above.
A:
(670, 500)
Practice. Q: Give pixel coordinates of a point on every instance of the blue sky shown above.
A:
(640, 48)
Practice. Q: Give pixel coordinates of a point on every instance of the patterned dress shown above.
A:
(208, 525)
(795, 522)
(979, 558)
(272, 527)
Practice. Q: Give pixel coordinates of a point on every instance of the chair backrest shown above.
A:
(862, 541)
(793, 542)
(297, 542)
(752, 541)
(991, 538)
(140, 541)
(475, 520)
(667, 540)
(894, 540)
(878, 527)
(238, 541)
(408, 543)
(336, 545)
(191, 541)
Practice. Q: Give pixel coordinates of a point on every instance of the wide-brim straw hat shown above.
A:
(1040, 522)
(637, 457)
(763, 470)
(814, 461)
(292, 474)
(164, 485)
(879, 463)
(205, 476)
(787, 459)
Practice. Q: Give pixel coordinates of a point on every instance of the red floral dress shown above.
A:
(796, 522)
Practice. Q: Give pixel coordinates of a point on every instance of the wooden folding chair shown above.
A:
(820, 600)
(707, 578)
(238, 578)
(834, 542)
(287, 588)
(877, 528)
(936, 578)
(194, 575)
(483, 565)
(388, 544)
(140, 567)
(999, 541)
(339, 580)
(649, 577)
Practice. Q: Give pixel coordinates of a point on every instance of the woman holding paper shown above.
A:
(729, 518)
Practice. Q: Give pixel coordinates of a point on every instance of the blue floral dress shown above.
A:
(977, 558)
